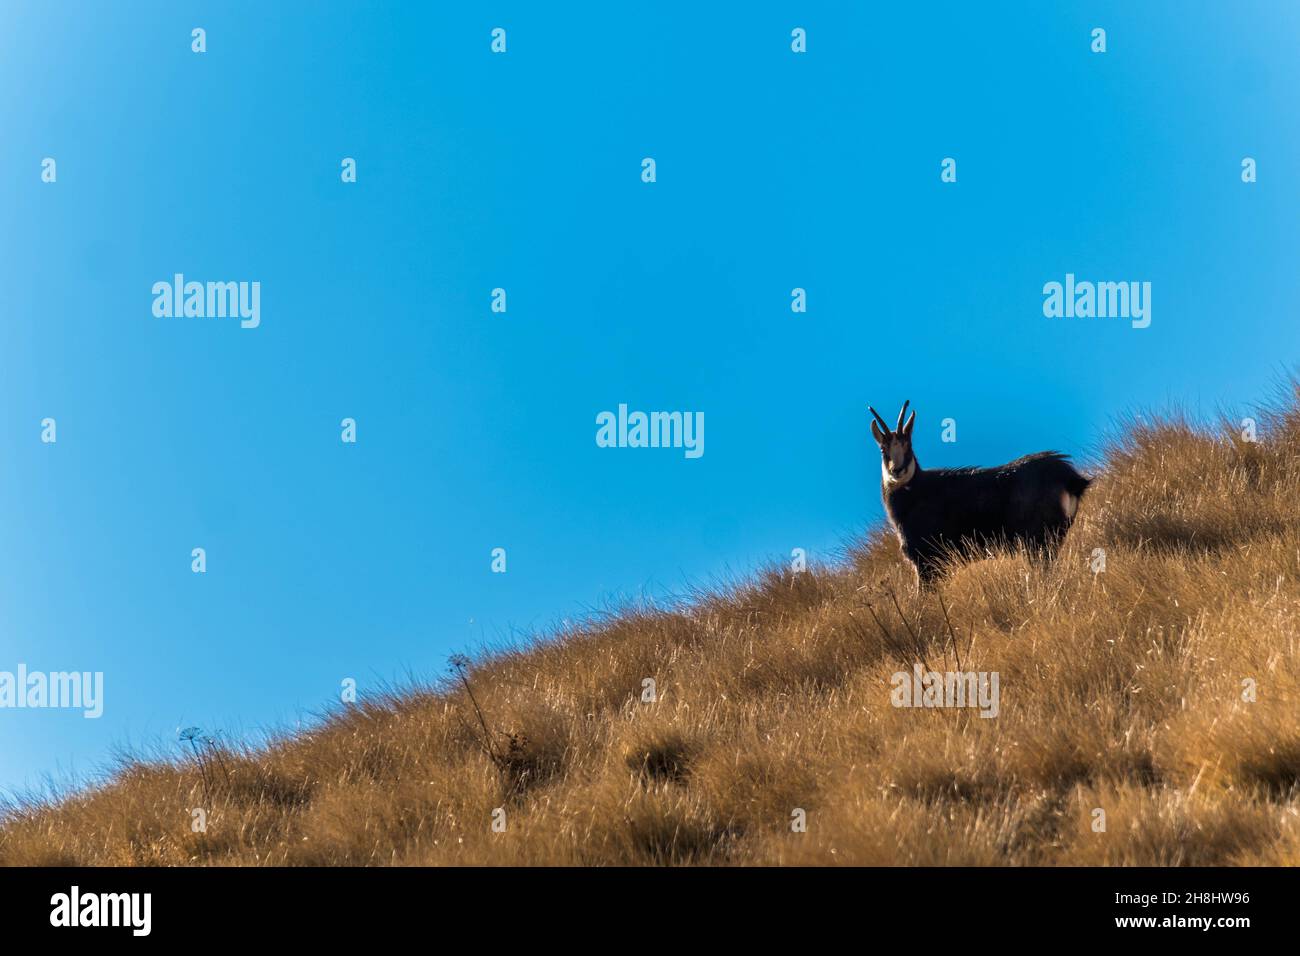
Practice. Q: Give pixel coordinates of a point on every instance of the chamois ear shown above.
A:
(907, 429)
(876, 434)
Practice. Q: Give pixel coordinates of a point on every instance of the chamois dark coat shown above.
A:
(950, 512)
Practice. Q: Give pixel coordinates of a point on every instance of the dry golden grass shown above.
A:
(1120, 690)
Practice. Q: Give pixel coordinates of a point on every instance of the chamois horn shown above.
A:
(883, 426)
(902, 414)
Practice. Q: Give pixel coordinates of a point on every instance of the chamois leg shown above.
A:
(927, 574)
(1042, 548)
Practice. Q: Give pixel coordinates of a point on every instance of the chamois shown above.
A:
(950, 511)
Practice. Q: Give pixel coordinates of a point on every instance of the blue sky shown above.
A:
(522, 171)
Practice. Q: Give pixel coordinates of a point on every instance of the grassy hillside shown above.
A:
(1120, 690)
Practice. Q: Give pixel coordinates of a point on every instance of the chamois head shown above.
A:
(897, 463)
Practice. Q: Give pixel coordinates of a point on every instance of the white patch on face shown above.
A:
(1069, 504)
(905, 477)
(897, 452)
